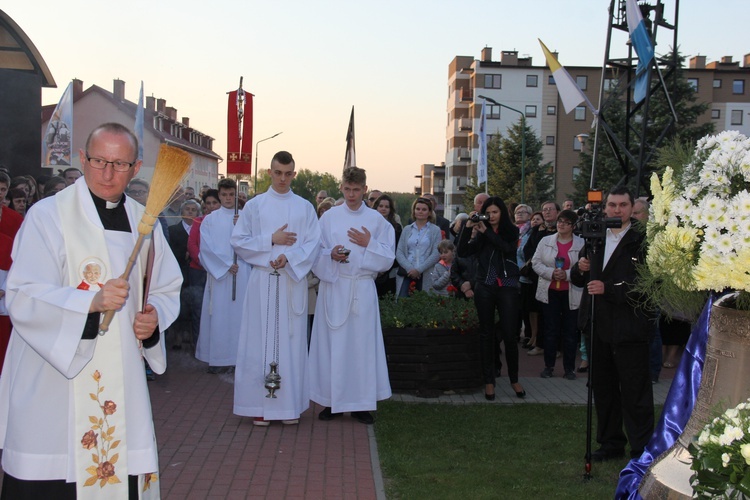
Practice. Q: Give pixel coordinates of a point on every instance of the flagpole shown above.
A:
(240, 117)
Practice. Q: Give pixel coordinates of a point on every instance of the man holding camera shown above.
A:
(622, 330)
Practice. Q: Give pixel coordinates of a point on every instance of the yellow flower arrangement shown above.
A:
(699, 226)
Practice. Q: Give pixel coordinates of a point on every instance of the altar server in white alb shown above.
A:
(278, 234)
(348, 371)
(75, 414)
(221, 317)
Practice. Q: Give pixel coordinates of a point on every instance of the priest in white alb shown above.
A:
(221, 315)
(75, 413)
(278, 234)
(348, 371)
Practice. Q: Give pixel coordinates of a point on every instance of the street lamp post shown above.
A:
(255, 183)
(523, 143)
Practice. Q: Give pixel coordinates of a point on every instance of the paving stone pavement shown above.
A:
(207, 452)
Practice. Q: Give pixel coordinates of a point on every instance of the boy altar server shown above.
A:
(277, 232)
(221, 316)
(348, 371)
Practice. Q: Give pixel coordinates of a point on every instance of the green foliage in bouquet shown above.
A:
(721, 456)
(425, 310)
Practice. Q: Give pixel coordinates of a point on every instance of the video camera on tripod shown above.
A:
(592, 222)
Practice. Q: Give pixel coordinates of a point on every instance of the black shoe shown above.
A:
(213, 370)
(363, 416)
(489, 397)
(583, 369)
(601, 455)
(547, 373)
(327, 415)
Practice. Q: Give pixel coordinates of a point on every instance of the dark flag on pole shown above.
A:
(350, 160)
(239, 132)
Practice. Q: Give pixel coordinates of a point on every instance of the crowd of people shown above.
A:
(283, 294)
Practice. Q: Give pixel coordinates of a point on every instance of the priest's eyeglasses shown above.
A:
(101, 164)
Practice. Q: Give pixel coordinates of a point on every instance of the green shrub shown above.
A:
(425, 310)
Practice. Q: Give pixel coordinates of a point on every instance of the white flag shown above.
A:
(482, 160)
(57, 144)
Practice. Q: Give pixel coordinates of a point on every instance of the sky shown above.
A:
(308, 62)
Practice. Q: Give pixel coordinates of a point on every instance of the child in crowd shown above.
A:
(441, 281)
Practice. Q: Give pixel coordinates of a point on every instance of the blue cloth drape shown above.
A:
(677, 408)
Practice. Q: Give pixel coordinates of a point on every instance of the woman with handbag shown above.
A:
(560, 299)
(492, 238)
(417, 250)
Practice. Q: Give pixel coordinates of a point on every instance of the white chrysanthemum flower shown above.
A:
(725, 459)
(731, 413)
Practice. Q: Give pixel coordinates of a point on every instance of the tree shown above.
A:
(307, 184)
(684, 99)
(504, 169)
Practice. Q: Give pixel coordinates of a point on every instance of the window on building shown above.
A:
(582, 82)
(493, 81)
(530, 111)
(736, 117)
(693, 82)
(580, 113)
(715, 114)
(738, 87)
(550, 80)
(576, 172)
(551, 110)
(493, 112)
(717, 83)
(550, 140)
(532, 80)
(577, 146)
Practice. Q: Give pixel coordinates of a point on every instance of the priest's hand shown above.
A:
(233, 269)
(281, 237)
(361, 238)
(280, 262)
(111, 297)
(335, 255)
(145, 323)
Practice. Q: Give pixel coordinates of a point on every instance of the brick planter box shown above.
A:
(427, 362)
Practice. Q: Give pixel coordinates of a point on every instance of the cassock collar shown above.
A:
(357, 211)
(113, 215)
(225, 211)
(281, 196)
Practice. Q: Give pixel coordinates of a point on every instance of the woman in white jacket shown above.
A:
(417, 250)
(560, 299)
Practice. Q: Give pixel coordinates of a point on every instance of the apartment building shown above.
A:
(524, 88)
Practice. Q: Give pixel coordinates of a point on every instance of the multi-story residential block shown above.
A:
(516, 83)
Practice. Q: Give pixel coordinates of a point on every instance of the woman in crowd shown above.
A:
(529, 308)
(494, 241)
(386, 282)
(560, 299)
(417, 250)
(18, 200)
(54, 185)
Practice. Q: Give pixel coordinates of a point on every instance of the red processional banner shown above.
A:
(240, 141)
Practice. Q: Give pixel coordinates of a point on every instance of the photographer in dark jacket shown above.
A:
(493, 240)
(622, 331)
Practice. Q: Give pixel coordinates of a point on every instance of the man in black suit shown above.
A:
(178, 239)
(622, 331)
